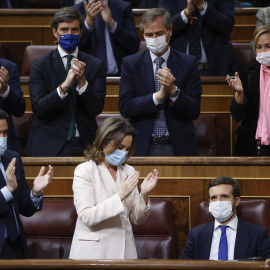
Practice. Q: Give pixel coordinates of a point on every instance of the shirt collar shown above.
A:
(63, 53)
(232, 224)
(165, 56)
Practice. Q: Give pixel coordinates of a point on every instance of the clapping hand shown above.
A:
(236, 84)
(128, 185)
(42, 180)
(149, 183)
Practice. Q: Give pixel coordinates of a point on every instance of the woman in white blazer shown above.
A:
(106, 196)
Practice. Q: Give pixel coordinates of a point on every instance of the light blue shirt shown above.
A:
(111, 62)
(8, 196)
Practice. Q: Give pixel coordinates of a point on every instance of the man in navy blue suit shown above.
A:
(16, 197)
(11, 99)
(215, 21)
(242, 240)
(160, 92)
(67, 90)
(109, 31)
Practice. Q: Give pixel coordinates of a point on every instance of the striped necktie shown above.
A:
(160, 128)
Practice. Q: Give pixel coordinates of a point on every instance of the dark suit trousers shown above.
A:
(13, 250)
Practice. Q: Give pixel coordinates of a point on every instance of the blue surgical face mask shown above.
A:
(3, 145)
(69, 42)
(117, 157)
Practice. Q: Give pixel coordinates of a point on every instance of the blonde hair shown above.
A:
(264, 29)
(112, 129)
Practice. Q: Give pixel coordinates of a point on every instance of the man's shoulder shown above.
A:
(202, 227)
(6, 63)
(88, 57)
(47, 57)
(9, 154)
(250, 226)
(137, 57)
(182, 56)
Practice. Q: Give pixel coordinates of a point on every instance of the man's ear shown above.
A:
(55, 32)
(237, 201)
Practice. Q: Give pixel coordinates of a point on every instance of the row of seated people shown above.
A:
(49, 232)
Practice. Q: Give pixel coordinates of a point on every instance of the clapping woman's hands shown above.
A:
(149, 183)
(129, 183)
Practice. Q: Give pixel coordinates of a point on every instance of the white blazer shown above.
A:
(103, 229)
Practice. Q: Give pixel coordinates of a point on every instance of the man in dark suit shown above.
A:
(67, 90)
(227, 238)
(109, 32)
(160, 91)
(16, 198)
(207, 36)
(11, 99)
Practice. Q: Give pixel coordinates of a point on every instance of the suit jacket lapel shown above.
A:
(147, 73)
(107, 179)
(57, 65)
(242, 241)
(205, 242)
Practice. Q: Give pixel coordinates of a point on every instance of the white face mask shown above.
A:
(157, 45)
(221, 210)
(3, 145)
(264, 58)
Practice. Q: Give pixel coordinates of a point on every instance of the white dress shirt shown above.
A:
(231, 236)
(63, 55)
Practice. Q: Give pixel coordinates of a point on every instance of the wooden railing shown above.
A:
(132, 264)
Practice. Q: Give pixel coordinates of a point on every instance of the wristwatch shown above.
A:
(175, 93)
(203, 7)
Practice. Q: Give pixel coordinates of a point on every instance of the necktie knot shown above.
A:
(159, 61)
(223, 228)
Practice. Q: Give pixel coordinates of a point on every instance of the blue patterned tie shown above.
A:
(223, 244)
(72, 128)
(160, 127)
(12, 232)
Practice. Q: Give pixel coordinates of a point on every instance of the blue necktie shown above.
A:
(223, 244)
(12, 232)
(160, 128)
(72, 128)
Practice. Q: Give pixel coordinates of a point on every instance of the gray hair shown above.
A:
(152, 14)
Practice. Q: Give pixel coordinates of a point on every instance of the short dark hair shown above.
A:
(3, 115)
(67, 14)
(225, 180)
(152, 14)
(112, 129)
